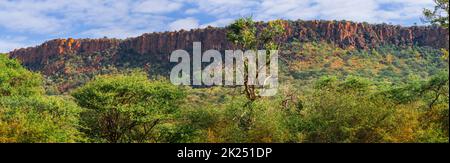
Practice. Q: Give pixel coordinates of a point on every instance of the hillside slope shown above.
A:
(159, 45)
(312, 48)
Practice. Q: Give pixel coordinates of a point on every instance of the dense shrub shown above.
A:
(27, 115)
(39, 119)
(127, 108)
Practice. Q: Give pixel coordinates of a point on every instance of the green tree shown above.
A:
(433, 95)
(249, 35)
(127, 108)
(17, 81)
(27, 115)
(222, 118)
(438, 15)
(39, 119)
(354, 111)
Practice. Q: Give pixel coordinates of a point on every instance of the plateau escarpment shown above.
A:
(158, 46)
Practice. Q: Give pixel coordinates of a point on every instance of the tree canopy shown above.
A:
(439, 14)
(27, 115)
(126, 108)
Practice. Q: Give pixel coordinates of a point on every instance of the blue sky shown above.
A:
(31, 22)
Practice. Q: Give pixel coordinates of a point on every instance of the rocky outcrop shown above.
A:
(162, 44)
(364, 36)
(159, 45)
(59, 47)
(342, 33)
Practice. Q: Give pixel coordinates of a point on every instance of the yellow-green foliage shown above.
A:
(310, 60)
(39, 119)
(387, 94)
(352, 110)
(27, 115)
(234, 119)
(17, 81)
(438, 15)
(127, 108)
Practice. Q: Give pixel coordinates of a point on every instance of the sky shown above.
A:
(26, 23)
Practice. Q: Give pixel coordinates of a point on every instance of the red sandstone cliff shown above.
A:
(160, 45)
(58, 47)
(344, 34)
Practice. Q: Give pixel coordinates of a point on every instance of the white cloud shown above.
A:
(127, 18)
(218, 23)
(26, 16)
(355, 10)
(157, 6)
(9, 43)
(49, 16)
(186, 24)
(6, 46)
(23, 21)
(227, 8)
(111, 33)
(71, 18)
(192, 11)
(287, 9)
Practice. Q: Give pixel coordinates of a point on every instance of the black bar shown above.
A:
(170, 152)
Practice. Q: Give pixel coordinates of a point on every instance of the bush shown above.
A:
(17, 81)
(127, 108)
(345, 112)
(27, 115)
(39, 120)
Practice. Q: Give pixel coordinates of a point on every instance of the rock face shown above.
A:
(165, 43)
(363, 36)
(59, 47)
(159, 45)
(344, 34)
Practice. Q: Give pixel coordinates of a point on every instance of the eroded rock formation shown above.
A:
(59, 47)
(160, 45)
